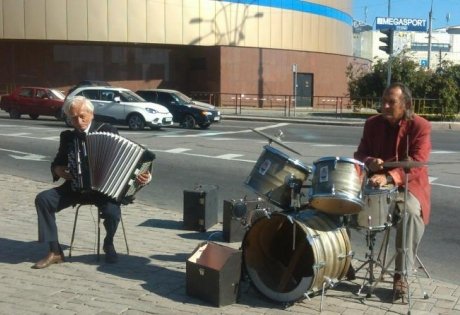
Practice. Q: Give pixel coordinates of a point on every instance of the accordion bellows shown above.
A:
(114, 163)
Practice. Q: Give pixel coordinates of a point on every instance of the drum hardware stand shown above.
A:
(370, 238)
(295, 186)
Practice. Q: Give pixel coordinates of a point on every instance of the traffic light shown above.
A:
(387, 40)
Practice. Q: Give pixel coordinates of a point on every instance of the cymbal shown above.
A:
(404, 164)
(275, 139)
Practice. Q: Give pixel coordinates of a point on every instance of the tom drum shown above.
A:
(271, 175)
(337, 185)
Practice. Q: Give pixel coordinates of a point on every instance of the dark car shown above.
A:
(33, 101)
(187, 112)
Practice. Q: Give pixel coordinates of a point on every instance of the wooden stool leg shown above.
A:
(73, 231)
(124, 234)
(98, 234)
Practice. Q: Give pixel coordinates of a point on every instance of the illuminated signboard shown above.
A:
(401, 24)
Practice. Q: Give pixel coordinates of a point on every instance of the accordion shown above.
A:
(109, 164)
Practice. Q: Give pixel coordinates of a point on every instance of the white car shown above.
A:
(123, 107)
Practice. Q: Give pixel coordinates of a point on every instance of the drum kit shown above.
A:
(300, 249)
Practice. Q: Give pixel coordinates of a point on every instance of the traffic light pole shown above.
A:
(390, 60)
(390, 56)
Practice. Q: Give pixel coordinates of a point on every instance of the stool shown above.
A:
(98, 231)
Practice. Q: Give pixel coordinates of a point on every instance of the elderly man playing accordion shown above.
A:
(81, 113)
(397, 134)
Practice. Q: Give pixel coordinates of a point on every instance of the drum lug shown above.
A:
(344, 256)
(319, 265)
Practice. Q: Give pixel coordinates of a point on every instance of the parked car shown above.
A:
(187, 112)
(33, 101)
(122, 106)
(88, 83)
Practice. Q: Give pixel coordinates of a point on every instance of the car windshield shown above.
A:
(129, 96)
(57, 94)
(181, 99)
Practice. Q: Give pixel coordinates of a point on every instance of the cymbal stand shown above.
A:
(404, 249)
(398, 250)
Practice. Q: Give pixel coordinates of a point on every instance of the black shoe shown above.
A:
(351, 273)
(111, 255)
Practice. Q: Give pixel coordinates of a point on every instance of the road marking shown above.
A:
(442, 152)
(444, 185)
(220, 157)
(26, 155)
(431, 179)
(25, 135)
(177, 150)
(216, 133)
(19, 134)
(228, 156)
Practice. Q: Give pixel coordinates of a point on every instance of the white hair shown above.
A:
(77, 100)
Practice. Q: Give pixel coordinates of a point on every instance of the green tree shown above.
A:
(440, 87)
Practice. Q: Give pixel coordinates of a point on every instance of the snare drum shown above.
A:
(379, 205)
(271, 175)
(337, 185)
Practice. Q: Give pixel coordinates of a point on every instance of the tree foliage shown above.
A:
(440, 86)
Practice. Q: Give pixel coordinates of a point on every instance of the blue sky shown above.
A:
(368, 10)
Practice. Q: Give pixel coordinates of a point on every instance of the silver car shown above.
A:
(123, 107)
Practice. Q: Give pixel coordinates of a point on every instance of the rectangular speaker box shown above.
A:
(233, 228)
(213, 273)
(200, 208)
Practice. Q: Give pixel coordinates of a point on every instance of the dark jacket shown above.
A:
(67, 138)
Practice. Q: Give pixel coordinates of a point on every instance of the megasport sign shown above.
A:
(401, 24)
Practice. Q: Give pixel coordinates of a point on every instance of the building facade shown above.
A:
(260, 47)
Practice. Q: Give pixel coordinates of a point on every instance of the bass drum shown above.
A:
(287, 257)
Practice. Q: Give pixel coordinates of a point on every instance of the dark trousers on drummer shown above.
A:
(53, 200)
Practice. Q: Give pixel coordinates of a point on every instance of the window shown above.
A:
(26, 92)
(90, 94)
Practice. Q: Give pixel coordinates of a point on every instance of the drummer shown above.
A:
(397, 134)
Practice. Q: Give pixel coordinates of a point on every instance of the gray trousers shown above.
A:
(415, 228)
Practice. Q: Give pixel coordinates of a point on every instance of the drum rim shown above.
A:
(367, 191)
(338, 158)
(288, 158)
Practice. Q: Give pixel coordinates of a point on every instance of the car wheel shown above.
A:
(189, 122)
(136, 122)
(205, 126)
(14, 114)
(33, 116)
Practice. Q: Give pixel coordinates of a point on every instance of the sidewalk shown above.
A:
(151, 280)
(316, 117)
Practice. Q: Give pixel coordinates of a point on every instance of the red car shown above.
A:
(33, 101)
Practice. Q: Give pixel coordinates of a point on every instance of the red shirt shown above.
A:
(394, 143)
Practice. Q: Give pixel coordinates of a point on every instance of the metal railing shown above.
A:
(288, 105)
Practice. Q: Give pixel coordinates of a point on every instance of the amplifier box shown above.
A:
(200, 208)
(213, 273)
(234, 214)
